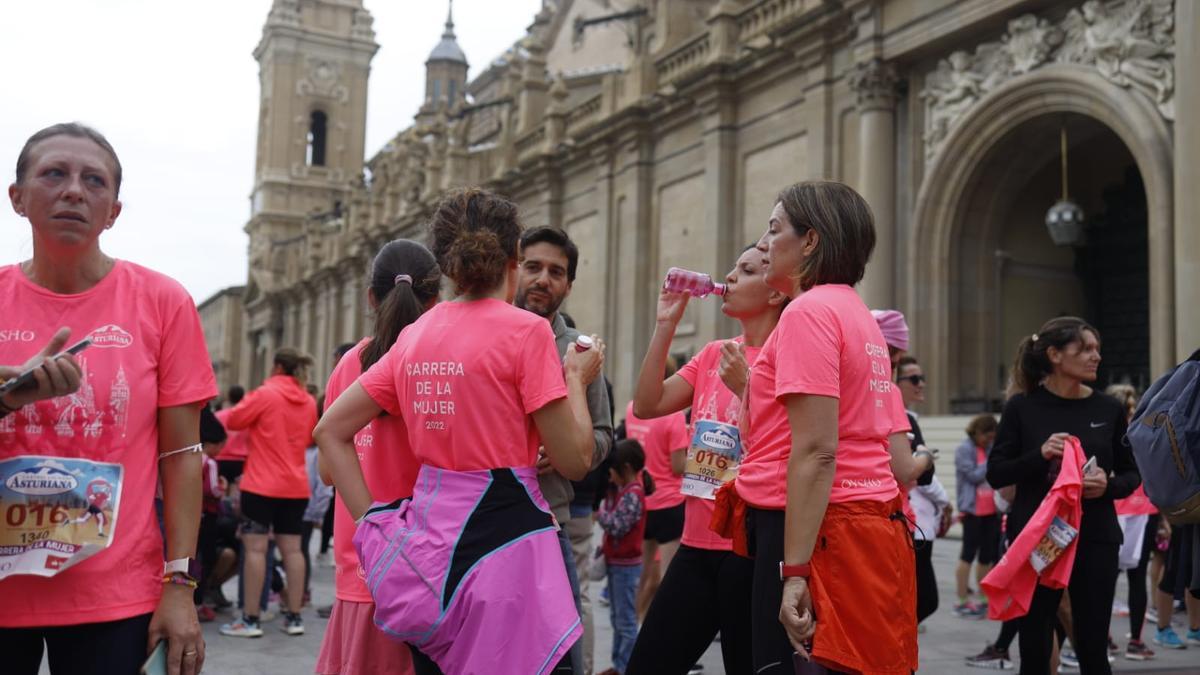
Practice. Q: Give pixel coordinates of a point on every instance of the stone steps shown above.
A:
(945, 432)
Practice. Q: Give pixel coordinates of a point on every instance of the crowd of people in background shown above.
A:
(774, 491)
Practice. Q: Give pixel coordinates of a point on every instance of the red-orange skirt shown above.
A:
(864, 590)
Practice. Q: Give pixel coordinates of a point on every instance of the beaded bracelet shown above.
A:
(180, 579)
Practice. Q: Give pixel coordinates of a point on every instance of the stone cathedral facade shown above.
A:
(657, 133)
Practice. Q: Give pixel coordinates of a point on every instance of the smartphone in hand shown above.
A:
(1089, 466)
(27, 376)
(156, 664)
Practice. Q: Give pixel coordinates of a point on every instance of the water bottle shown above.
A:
(696, 284)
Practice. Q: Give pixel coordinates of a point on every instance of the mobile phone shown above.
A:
(156, 663)
(1089, 465)
(805, 666)
(27, 376)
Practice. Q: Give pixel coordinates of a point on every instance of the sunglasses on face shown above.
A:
(914, 380)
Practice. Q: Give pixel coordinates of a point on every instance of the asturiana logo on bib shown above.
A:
(44, 481)
(718, 439)
(111, 335)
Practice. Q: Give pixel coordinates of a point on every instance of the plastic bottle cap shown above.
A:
(583, 343)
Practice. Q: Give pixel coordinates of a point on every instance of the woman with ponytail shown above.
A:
(1052, 400)
(478, 386)
(405, 281)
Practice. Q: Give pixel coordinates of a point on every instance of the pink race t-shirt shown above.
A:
(148, 352)
(388, 465)
(659, 438)
(826, 344)
(1136, 504)
(711, 400)
(466, 377)
(985, 501)
(236, 447)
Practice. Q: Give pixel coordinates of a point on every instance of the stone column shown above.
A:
(532, 99)
(633, 267)
(1187, 178)
(718, 109)
(874, 82)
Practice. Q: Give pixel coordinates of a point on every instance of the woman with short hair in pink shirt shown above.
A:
(469, 570)
(404, 283)
(826, 521)
(93, 591)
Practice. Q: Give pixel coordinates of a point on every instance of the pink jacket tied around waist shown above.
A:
(1044, 552)
(470, 571)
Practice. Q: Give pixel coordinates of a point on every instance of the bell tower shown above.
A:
(314, 61)
(445, 72)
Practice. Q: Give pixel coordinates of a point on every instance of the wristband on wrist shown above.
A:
(180, 579)
(804, 570)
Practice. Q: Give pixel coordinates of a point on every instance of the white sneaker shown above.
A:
(292, 625)
(242, 628)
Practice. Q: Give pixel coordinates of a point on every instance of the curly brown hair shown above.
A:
(475, 235)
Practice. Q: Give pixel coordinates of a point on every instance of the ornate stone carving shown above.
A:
(875, 84)
(1129, 42)
(285, 13)
(363, 25)
(323, 79)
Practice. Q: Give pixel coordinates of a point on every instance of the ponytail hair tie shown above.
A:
(1035, 337)
(403, 278)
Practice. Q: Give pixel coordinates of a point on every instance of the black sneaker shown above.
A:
(991, 658)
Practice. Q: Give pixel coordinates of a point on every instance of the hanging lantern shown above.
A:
(1065, 219)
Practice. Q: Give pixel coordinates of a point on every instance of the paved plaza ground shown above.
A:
(945, 643)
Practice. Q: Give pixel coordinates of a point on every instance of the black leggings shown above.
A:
(927, 592)
(1138, 598)
(1008, 632)
(305, 540)
(423, 665)
(769, 646)
(109, 648)
(327, 525)
(1092, 586)
(703, 591)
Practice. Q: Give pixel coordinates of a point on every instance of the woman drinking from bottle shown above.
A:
(707, 587)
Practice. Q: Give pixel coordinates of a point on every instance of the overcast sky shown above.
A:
(174, 87)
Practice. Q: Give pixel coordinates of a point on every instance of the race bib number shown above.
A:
(55, 512)
(1059, 535)
(712, 459)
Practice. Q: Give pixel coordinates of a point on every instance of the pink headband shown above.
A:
(893, 326)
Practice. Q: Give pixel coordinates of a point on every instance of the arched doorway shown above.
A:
(985, 271)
